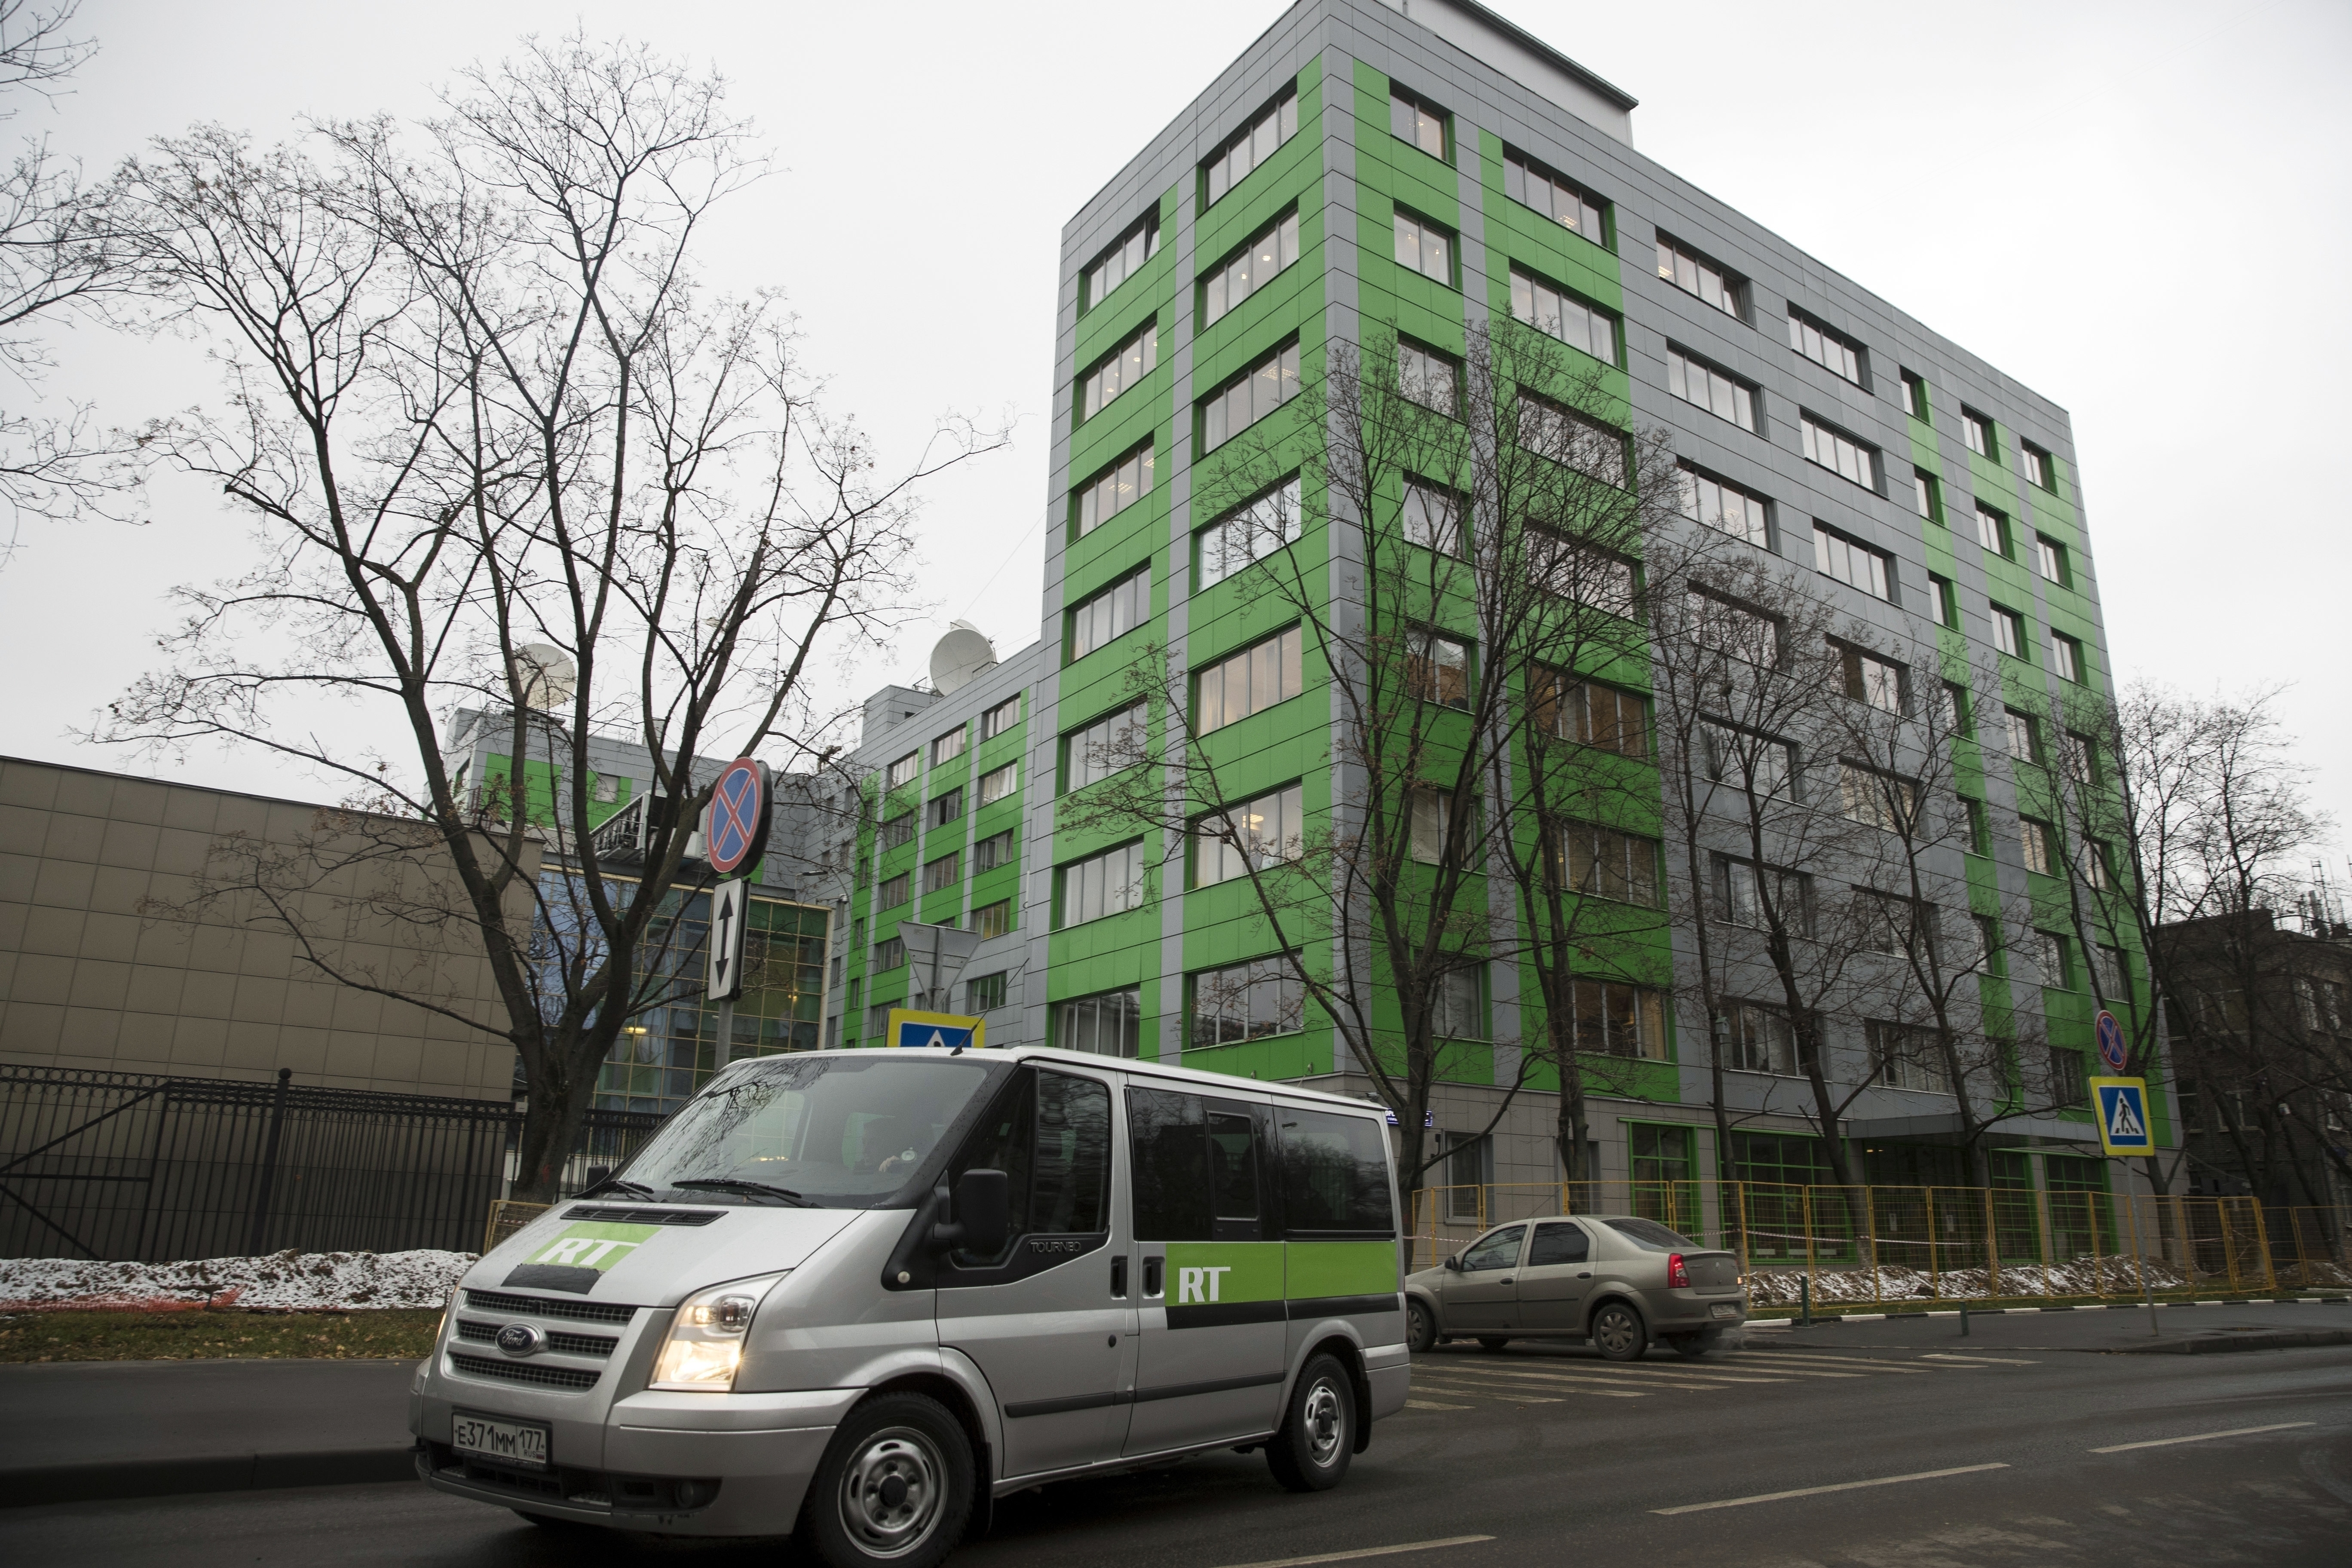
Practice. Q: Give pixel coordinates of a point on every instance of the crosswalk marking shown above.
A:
(1489, 1381)
(1432, 1405)
(1610, 1372)
(1993, 1360)
(1807, 1358)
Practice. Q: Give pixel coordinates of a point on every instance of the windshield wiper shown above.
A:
(617, 1184)
(730, 1185)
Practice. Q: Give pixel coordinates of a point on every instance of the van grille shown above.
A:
(642, 1217)
(559, 1341)
(547, 1306)
(523, 1372)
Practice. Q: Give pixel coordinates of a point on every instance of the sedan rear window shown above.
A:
(1650, 1233)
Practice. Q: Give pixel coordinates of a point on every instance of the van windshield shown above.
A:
(843, 1133)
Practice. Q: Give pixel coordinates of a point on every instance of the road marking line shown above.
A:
(1816, 1491)
(2203, 1436)
(1783, 1361)
(1491, 1391)
(1778, 1370)
(1365, 1552)
(1431, 1404)
(1481, 1380)
(1996, 1360)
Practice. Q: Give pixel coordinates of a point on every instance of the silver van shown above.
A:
(855, 1296)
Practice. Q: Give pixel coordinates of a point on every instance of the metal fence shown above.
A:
(127, 1166)
(1890, 1244)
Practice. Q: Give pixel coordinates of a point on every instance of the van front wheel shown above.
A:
(894, 1486)
(1310, 1453)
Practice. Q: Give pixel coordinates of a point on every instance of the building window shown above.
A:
(1109, 1025)
(1267, 524)
(893, 893)
(947, 808)
(2038, 469)
(1432, 518)
(1870, 679)
(1250, 269)
(1952, 708)
(1558, 314)
(2023, 735)
(1126, 364)
(2009, 632)
(1437, 668)
(1735, 511)
(1620, 1020)
(992, 920)
(1979, 828)
(1429, 378)
(1115, 489)
(1461, 1004)
(1915, 395)
(1252, 836)
(1567, 708)
(1101, 885)
(1111, 613)
(1693, 274)
(1876, 799)
(1695, 382)
(1567, 437)
(947, 747)
(1249, 398)
(2035, 836)
(1422, 246)
(995, 786)
(2097, 857)
(2080, 755)
(1742, 892)
(984, 993)
(1583, 573)
(1976, 431)
(1528, 182)
(2066, 657)
(1731, 628)
(1250, 681)
(2067, 1087)
(1138, 245)
(2054, 951)
(1431, 825)
(1840, 453)
(1758, 1038)
(1993, 530)
(1423, 124)
(942, 873)
(1606, 864)
(877, 1018)
(1948, 600)
(1907, 1058)
(897, 830)
(2114, 972)
(1109, 744)
(1250, 146)
(903, 770)
(996, 850)
(1000, 719)
(1833, 351)
(1247, 1002)
(2050, 559)
(1925, 498)
(1853, 562)
(890, 953)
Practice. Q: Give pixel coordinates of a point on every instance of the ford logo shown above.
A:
(520, 1339)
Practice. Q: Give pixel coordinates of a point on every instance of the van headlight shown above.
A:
(705, 1346)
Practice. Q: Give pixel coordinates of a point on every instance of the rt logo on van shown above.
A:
(594, 1245)
(1192, 1282)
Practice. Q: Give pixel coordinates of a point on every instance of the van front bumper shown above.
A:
(674, 1464)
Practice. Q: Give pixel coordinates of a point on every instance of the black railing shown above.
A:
(126, 1166)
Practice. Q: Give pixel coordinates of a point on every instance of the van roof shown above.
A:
(1219, 1082)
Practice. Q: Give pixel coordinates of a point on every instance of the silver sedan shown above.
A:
(1620, 1280)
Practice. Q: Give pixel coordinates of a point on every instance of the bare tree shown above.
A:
(480, 408)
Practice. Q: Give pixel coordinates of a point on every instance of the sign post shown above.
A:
(2125, 1131)
(734, 832)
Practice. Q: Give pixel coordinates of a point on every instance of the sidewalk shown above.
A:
(132, 1428)
(2184, 1329)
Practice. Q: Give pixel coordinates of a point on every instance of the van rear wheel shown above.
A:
(1310, 1453)
(895, 1487)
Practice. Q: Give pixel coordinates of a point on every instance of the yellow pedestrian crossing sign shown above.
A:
(935, 1031)
(2122, 1105)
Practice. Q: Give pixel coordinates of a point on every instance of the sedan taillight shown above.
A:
(1677, 1274)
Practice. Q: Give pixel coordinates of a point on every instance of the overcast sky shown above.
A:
(2141, 210)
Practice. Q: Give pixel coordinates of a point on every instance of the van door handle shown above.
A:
(1154, 1276)
(1118, 1275)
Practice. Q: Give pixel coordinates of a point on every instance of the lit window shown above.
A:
(1422, 246)
(1112, 613)
(1690, 272)
(1566, 708)
(1251, 836)
(1570, 206)
(1563, 316)
(1606, 864)
(1128, 364)
(1694, 381)
(1249, 398)
(1116, 265)
(1250, 146)
(1119, 486)
(1423, 124)
(1251, 270)
(1840, 453)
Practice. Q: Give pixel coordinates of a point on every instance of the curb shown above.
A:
(33, 1485)
(1823, 1316)
(2256, 1339)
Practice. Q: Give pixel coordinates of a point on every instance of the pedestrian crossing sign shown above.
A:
(2122, 1104)
(934, 1031)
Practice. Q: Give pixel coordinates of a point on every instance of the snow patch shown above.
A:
(2105, 1276)
(280, 1281)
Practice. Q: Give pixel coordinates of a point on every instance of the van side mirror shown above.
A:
(983, 1212)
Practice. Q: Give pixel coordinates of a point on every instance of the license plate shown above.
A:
(522, 1443)
(1723, 1310)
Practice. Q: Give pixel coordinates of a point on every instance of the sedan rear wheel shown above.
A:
(1420, 1327)
(1618, 1332)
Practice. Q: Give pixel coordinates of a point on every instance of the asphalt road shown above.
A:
(1546, 1454)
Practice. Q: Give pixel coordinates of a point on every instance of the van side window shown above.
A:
(1559, 1243)
(1196, 1167)
(1050, 1134)
(1233, 1164)
(1335, 1173)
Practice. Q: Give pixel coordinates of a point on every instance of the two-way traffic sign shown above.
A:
(2122, 1105)
(729, 904)
(935, 1031)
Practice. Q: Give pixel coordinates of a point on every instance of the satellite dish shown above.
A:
(544, 675)
(958, 655)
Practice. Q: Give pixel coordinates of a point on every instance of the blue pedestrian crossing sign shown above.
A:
(2122, 1105)
(934, 1031)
